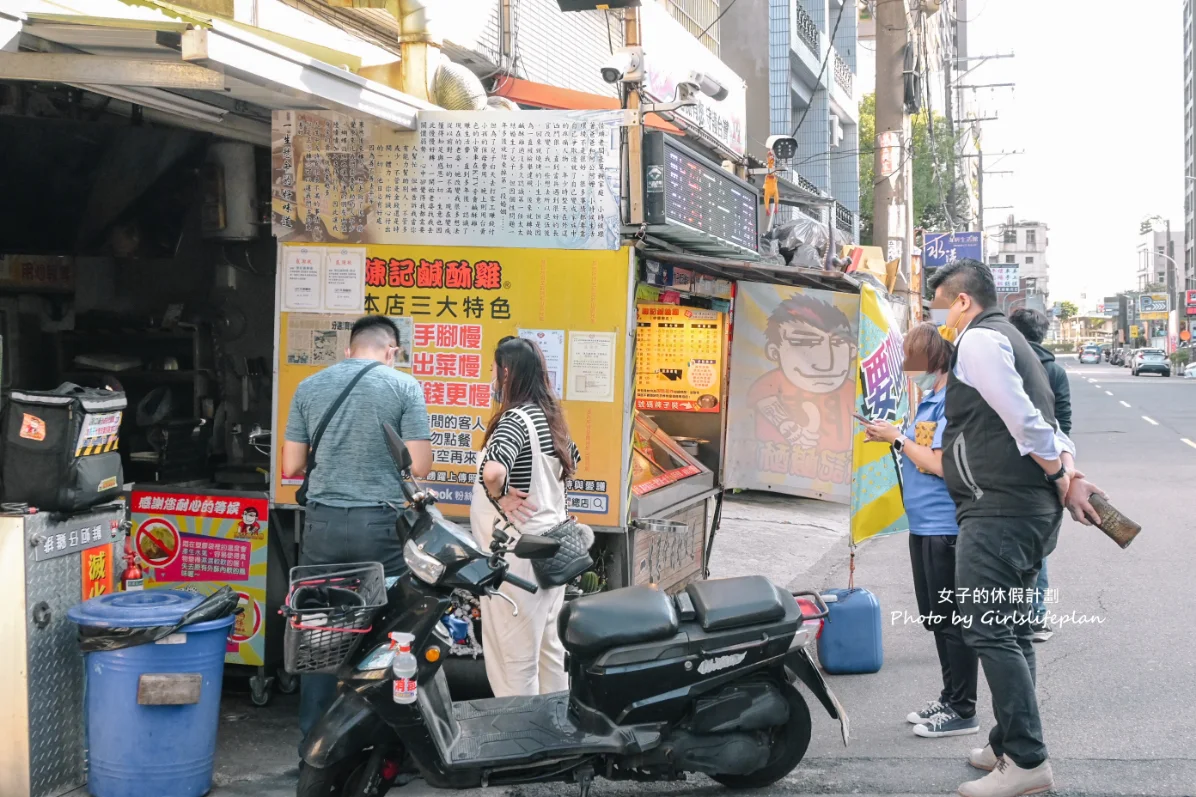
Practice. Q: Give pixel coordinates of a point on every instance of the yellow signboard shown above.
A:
(678, 358)
(453, 306)
(1134, 330)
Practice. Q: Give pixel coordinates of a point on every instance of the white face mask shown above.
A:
(926, 381)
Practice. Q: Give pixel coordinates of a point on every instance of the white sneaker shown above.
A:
(983, 758)
(1009, 780)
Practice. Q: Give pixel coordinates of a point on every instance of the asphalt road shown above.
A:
(1118, 691)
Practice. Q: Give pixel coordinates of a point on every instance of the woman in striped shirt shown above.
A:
(526, 458)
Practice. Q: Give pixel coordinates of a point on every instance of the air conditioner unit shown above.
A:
(836, 132)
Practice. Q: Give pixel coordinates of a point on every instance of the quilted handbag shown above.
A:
(571, 559)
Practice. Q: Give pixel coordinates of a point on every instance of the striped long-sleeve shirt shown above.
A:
(510, 446)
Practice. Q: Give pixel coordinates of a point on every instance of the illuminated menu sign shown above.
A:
(695, 203)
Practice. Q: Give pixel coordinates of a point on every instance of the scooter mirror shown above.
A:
(398, 449)
(533, 546)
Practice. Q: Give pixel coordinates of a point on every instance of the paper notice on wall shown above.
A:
(552, 344)
(318, 340)
(303, 271)
(344, 280)
(591, 366)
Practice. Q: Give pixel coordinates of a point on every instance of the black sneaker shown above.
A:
(1041, 632)
(947, 723)
(932, 708)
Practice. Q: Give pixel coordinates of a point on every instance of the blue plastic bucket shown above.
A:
(146, 748)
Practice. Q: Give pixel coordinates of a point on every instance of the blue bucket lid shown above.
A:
(142, 609)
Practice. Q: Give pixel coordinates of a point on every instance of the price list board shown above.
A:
(678, 358)
(698, 203)
(528, 179)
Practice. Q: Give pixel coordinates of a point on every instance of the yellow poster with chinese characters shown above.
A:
(452, 307)
(678, 358)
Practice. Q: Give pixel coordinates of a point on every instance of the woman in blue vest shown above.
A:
(933, 532)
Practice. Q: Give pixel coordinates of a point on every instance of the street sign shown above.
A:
(1190, 302)
(1153, 306)
(1006, 278)
(943, 248)
(1134, 330)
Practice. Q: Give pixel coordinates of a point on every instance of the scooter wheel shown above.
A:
(330, 781)
(787, 745)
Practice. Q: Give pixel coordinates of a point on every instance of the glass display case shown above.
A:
(663, 474)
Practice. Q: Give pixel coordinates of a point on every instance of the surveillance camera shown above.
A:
(626, 64)
(700, 81)
(783, 148)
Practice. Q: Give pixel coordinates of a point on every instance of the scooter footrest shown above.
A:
(509, 729)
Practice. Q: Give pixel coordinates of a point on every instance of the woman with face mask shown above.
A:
(933, 532)
(527, 455)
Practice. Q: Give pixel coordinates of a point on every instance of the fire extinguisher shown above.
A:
(131, 580)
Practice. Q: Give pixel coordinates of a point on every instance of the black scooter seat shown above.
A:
(593, 624)
(735, 602)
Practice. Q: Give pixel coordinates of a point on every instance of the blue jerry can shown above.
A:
(851, 639)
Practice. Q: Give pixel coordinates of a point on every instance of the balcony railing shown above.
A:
(843, 74)
(844, 219)
(809, 186)
(807, 31)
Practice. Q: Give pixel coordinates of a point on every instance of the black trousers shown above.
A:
(998, 563)
(933, 560)
(335, 535)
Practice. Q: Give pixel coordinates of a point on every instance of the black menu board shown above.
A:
(691, 201)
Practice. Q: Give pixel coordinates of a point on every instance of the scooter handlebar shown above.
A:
(523, 584)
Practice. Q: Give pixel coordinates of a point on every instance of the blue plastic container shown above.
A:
(162, 750)
(851, 638)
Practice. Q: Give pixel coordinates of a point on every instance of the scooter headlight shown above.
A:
(427, 568)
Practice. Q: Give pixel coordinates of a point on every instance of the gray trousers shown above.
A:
(333, 535)
(994, 556)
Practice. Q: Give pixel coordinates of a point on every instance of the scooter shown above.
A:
(660, 686)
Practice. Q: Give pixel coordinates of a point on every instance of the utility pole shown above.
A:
(892, 210)
(635, 132)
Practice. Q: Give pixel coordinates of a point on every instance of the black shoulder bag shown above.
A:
(301, 493)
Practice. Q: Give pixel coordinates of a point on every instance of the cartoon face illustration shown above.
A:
(811, 342)
(249, 516)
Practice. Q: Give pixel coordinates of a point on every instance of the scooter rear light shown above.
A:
(808, 608)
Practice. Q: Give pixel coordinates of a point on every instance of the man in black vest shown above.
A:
(1010, 471)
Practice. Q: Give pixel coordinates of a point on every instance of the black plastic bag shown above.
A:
(221, 603)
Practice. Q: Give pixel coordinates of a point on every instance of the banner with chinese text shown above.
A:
(881, 394)
(522, 178)
(200, 543)
(453, 306)
(793, 360)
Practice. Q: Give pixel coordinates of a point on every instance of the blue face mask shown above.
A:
(495, 393)
(926, 381)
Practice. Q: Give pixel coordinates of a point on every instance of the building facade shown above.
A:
(1189, 241)
(790, 92)
(1024, 244)
(1153, 254)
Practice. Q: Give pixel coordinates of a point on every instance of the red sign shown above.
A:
(157, 542)
(1190, 302)
(97, 572)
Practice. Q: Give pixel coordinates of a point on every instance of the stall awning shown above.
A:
(541, 95)
(751, 271)
(200, 73)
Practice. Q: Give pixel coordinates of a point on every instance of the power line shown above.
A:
(720, 16)
(822, 70)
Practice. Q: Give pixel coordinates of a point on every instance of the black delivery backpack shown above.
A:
(60, 447)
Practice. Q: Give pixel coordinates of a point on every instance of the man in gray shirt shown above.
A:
(354, 481)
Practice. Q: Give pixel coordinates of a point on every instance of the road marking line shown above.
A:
(1109, 392)
(1151, 421)
(1124, 404)
(1189, 442)
(1097, 387)
(1092, 380)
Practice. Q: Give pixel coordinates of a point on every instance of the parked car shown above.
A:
(1151, 361)
(1090, 354)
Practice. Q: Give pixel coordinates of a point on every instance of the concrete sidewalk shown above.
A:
(792, 541)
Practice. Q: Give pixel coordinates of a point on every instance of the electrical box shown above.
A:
(229, 207)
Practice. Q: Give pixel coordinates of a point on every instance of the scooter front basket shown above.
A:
(328, 609)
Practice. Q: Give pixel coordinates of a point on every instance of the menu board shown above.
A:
(698, 203)
(678, 358)
(539, 179)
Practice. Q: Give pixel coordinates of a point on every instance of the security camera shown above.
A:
(700, 81)
(626, 65)
(783, 148)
